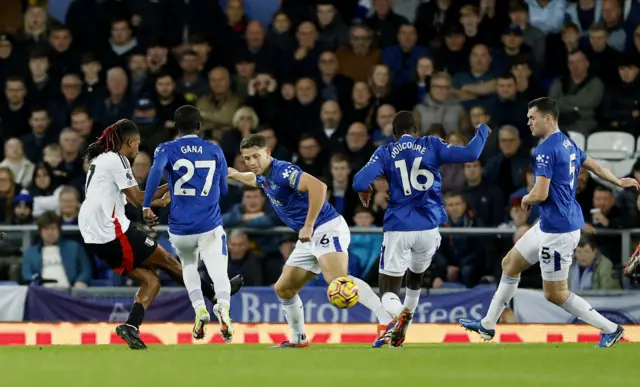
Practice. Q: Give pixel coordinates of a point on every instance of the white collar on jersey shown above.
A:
(190, 136)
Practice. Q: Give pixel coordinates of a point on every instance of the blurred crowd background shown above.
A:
(321, 81)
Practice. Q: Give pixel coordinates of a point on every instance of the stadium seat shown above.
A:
(623, 168)
(611, 145)
(578, 138)
(8, 283)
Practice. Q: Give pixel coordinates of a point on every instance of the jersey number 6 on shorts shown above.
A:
(190, 167)
(410, 180)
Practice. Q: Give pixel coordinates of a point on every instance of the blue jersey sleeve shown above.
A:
(374, 169)
(287, 174)
(452, 154)
(582, 157)
(224, 187)
(160, 160)
(543, 161)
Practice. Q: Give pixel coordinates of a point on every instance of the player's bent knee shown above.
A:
(556, 292)
(513, 263)
(285, 290)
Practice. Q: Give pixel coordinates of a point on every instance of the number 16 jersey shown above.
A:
(559, 159)
(196, 171)
(412, 168)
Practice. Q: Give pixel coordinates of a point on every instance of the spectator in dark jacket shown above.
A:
(507, 108)
(485, 199)
(70, 98)
(507, 167)
(385, 23)
(334, 33)
(459, 258)
(602, 58)
(57, 259)
(242, 261)
(402, 58)
(116, 104)
(621, 104)
(41, 134)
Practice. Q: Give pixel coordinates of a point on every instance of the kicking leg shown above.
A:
(287, 287)
(213, 251)
(149, 288)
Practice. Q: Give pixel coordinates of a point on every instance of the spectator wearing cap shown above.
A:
(117, 104)
(120, 45)
(402, 57)
(55, 258)
(513, 46)
(15, 160)
(578, 95)
(151, 128)
(333, 32)
(71, 98)
(441, 106)
(190, 84)
(454, 53)
(93, 85)
(591, 269)
(358, 58)
(476, 86)
(385, 23)
(245, 72)
(280, 33)
(507, 167)
(431, 18)
(486, 199)
(42, 87)
(265, 54)
(621, 105)
(218, 107)
(603, 60)
(166, 99)
(22, 209)
(547, 15)
(41, 135)
(507, 108)
(365, 247)
(614, 22)
(64, 59)
(139, 82)
(584, 14)
(533, 37)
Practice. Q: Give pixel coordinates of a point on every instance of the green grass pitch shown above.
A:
(455, 365)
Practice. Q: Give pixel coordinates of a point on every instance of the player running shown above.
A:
(414, 212)
(197, 174)
(106, 230)
(553, 239)
(299, 199)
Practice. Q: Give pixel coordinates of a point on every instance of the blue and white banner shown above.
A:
(530, 307)
(12, 301)
(251, 305)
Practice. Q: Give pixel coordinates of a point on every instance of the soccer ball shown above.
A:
(343, 292)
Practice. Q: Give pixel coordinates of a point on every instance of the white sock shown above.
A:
(294, 313)
(191, 279)
(391, 303)
(506, 289)
(411, 299)
(216, 264)
(371, 301)
(580, 308)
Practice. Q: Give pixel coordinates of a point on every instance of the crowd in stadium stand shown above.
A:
(322, 83)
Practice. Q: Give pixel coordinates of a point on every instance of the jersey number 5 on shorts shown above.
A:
(190, 167)
(410, 180)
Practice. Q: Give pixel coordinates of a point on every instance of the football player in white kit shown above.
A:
(106, 229)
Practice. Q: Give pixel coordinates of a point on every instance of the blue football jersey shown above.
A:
(196, 171)
(412, 169)
(559, 159)
(291, 205)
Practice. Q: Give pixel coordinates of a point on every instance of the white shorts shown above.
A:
(402, 250)
(331, 237)
(553, 251)
(210, 243)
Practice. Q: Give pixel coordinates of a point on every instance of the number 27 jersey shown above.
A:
(559, 159)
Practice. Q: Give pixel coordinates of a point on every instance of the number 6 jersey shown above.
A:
(196, 171)
(102, 212)
(412, 168)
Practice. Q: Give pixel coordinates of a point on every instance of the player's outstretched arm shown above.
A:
(452, 154)
(154, 178)
(247, 178)
(606, 175)
(317, 191)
